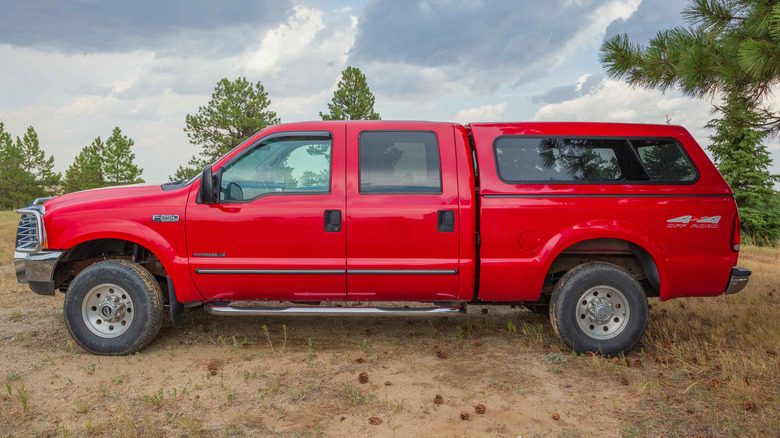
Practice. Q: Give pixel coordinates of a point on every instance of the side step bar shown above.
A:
(332, 311)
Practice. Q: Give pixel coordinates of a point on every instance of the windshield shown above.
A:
(182, 183)
(191, 180)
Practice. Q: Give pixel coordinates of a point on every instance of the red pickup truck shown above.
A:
(584, 220)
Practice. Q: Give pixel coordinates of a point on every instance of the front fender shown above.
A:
(169, 249)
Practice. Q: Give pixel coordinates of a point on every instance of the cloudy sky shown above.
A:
(74, 69)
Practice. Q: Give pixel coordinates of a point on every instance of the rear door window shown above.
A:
(399, 162)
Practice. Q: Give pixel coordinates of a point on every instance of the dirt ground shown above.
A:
(706, 367)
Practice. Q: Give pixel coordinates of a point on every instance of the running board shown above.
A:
(332, 311)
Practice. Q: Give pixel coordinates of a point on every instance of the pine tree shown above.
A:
(25, 172)
(118, 160)
(11, 173)
(237, 110)
(732, 47)
(732, 50)
(35, 162)
(86, 171)
(353, 99)
(744, 161)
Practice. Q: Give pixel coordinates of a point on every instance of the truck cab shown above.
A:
(580, 220)
(334, 211)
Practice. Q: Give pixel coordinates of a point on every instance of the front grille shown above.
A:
(28, 234)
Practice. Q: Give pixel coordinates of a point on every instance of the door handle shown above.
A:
(446, 221)
(332, 221)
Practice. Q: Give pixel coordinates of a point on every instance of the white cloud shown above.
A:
(484, 113)
(581, 81)
(413, 57)
(71, 98)
(616, 101)
(300, 61)
(590, 36)
(286, 41)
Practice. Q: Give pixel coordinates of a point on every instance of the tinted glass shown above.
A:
(283, 165)
(399, 162)
(566, 159)
(664, 160)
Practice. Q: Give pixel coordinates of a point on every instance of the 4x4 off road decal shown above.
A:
(694, 222)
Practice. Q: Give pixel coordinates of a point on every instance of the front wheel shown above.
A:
(114, 307)
(599, 307)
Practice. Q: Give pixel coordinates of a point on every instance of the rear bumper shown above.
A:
(37, 270)
(738, 279)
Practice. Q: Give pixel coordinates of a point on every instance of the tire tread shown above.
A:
(155, 314)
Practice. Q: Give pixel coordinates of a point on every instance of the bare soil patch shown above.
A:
(706, 366)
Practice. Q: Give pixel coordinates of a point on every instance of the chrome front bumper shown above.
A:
(738, 279)
(37, 270)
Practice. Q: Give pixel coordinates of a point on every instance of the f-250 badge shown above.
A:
(695, 222)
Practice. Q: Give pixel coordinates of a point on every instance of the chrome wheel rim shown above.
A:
(602, 312)
(107, 310)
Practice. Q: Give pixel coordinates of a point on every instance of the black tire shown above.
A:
(627, 310)
(139, 298)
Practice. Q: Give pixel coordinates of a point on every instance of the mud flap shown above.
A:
(175, 305)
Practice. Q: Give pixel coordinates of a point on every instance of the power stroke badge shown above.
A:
(165, 218)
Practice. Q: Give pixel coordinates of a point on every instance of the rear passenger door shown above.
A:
(402, 205)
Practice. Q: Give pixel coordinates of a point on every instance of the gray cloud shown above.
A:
(436, 33)
(477, 45)
(118, 26)
(650, 17)
(568, 92)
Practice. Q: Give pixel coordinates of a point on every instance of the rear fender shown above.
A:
(605, 229)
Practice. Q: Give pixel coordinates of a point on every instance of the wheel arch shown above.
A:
(610, 245)
(170, 250)
(90, 251)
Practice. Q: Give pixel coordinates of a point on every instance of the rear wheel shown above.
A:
(114, 307)
(599, 307)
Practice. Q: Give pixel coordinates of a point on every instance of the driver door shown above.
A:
(276, 231)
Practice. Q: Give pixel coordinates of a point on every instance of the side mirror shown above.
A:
(207, 195)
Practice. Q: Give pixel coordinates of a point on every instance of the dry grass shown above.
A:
(706, 367)
(716, 360)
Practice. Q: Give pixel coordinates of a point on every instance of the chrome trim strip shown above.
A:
(402, 271)
(331, 311)
(610, 195)
(272, 271)
(329, 271)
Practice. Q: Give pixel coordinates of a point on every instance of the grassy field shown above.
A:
(706, 367)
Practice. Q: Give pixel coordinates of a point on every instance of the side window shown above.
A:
(399, 162)
(529, 159)
(280, 165)
(664, 161)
